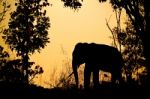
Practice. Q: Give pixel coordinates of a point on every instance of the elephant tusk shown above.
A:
(70, 75)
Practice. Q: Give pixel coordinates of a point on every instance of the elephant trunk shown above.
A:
(75, 67)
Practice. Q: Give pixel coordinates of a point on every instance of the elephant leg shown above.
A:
(117, 77)
(96, 78)
(113, 78)
(87, 74)
(120, 79)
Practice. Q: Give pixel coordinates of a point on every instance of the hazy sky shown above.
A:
(69, 27)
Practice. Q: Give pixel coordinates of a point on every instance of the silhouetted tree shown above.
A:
(11, 72)
(3, 60)
(28, 31)
(3, 54)
(4, 8)
(116, 30)
(130, 45)
(132, 49)
(138, 12)
(74, 4)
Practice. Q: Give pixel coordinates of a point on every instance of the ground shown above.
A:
(105, 91)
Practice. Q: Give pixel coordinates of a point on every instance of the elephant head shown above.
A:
(78, 58)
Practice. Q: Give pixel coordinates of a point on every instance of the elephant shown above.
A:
(96, 57)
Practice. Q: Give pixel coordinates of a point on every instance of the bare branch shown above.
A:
(113, 35)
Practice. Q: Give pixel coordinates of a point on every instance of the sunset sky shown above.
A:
(69, 27)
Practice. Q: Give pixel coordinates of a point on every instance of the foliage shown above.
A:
(34, 72)
(138, 12)
(3, 54)
(133, 37)
(130, 44)
(132, 50)
(28, 31)
(74, 4)
(11, 71)
(3, 60)
(4, 8)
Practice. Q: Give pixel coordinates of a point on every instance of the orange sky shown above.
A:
(69, 27)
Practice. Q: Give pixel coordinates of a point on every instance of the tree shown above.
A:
(130, 45)
(3, 54)
(28, 31)
(4, 8)
(138, 12)
(132, 50)
(3, 59)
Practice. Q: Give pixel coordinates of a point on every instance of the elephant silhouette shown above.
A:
(96, 57)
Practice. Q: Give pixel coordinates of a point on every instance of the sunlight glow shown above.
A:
(69, 27)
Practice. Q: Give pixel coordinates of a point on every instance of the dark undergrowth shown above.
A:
(20, 91)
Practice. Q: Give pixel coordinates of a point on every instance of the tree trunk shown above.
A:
(25, 62)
